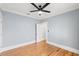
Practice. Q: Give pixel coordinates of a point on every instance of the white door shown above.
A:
(42, 31)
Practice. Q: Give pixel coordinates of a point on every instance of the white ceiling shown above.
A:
(24, 8)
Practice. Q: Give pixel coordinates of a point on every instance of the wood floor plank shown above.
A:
(39, 49)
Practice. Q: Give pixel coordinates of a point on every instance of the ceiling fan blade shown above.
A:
(35, 5)
(45, 11)
(34, 11)
(45, 5)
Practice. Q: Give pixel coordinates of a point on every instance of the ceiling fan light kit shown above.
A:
(40, 12)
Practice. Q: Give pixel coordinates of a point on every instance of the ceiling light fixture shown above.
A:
(40, 12)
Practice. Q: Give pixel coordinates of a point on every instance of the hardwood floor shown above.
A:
(39, 49)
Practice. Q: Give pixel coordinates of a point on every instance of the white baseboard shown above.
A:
(16, 46)
(64, 47)
(23, 44)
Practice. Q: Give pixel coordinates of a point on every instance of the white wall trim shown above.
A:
(64, 47)
(16, 46)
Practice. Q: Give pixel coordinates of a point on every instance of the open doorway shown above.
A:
(42, 31)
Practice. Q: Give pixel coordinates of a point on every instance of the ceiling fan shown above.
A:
(40, 8)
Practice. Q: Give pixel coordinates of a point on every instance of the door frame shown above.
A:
(46, 34)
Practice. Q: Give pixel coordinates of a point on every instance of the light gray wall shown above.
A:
(17, 29)
(64, 29)
(0, 28)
